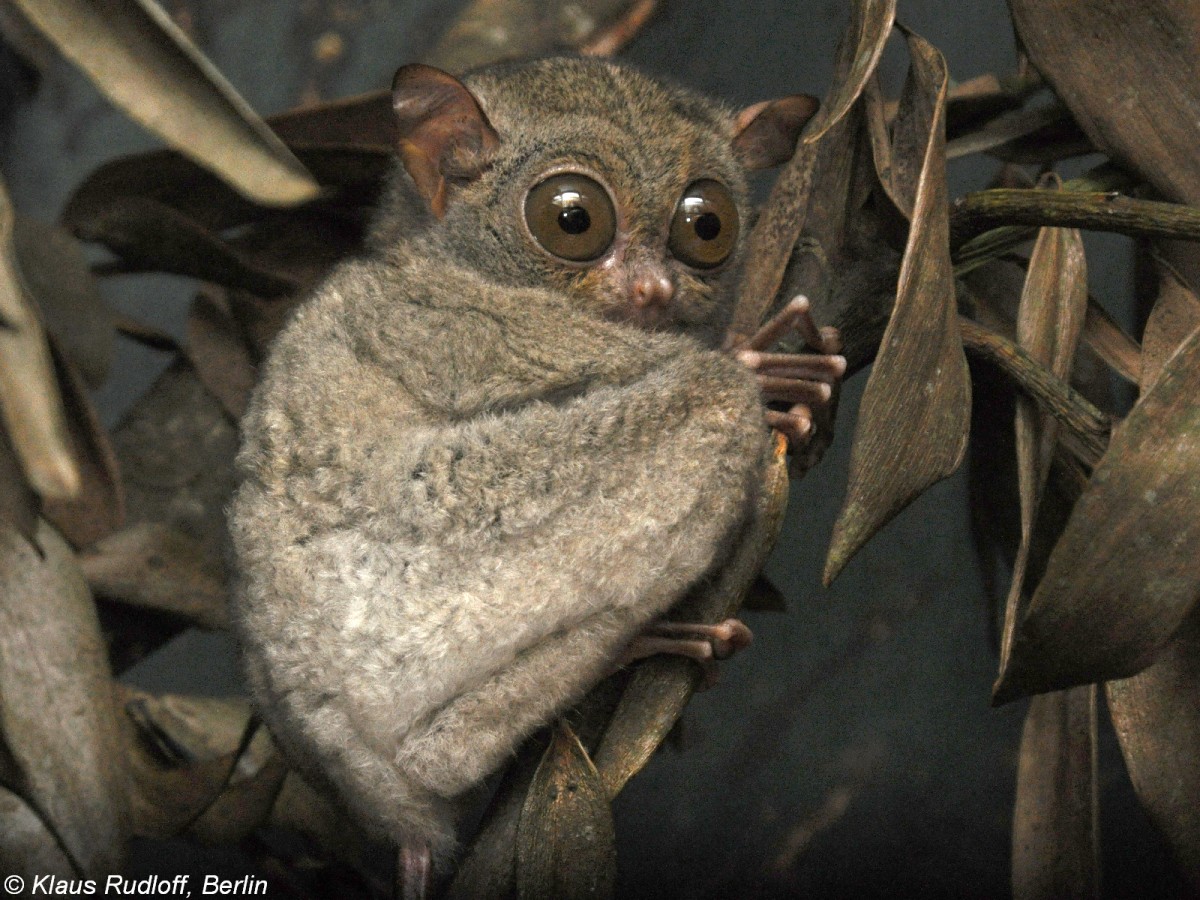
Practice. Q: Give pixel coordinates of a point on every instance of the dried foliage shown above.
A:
(113, 542)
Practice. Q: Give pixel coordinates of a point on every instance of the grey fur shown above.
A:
(465, 487)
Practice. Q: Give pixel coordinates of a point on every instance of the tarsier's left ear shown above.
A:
(443, 131)
(766, 133)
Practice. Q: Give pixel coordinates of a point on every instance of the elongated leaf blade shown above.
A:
(858, 54)
(1124, 575)
(30, 404)
(913, 424)
(1130, 74)
(1056, 840)
(1156, 714)
(770, 245)
(98, 509)
(58, 723)
(1049, 325)
(565, 840)
(145, 64)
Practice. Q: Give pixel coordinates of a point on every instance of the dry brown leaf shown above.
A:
(220, 353)
(30, 405)
(1123, 576)
(782, 220)
(58, 723)
(176, 447)
(1130, 74)
(489, 31)
(59, 280)
(139, 58)
(99, 508)
(153, 565)
(1156, 714)
(1056, 826)
(858, 54)
(915, 415)
(1049, 324)
(565, 839)
(151, 237)
(1036, 134)
(28, 848)
(249, 795)
(1176, 314)
(180, 753)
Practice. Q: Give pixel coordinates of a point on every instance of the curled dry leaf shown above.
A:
(180, 753)
(1049, 324)
(145, 64)
(99, 507)
(150, 237)
(1123, 576)
(59, 280)
(783, 218)
(1156, 714)
(153, 565)
(30, 403)
(565, 838)
(220, 353)
(249, 795)
(858, 51)
(913, 425)
(58, 722)
(1130, 74)
(1056, 824)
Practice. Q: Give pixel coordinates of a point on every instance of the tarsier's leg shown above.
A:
(806, 382)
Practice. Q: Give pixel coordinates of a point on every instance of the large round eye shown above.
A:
(571, 216)
(705, 227)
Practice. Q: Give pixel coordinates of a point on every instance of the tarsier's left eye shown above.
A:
(571, 216)
(705, 227)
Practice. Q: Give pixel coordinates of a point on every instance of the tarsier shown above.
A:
(488, 456)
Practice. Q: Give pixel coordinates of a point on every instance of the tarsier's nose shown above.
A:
(650, 286)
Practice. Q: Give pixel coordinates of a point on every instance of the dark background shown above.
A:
(852, 751)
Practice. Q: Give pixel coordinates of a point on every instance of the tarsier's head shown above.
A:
(626, 194)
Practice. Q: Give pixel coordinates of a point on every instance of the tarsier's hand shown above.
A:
(801, 389)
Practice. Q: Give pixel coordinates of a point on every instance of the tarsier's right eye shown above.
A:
(571, 216)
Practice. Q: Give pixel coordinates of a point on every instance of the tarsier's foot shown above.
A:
(413, 869)
(704, 643)
(806, 384)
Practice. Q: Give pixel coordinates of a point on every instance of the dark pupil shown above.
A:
(708, 226)
(574, 220)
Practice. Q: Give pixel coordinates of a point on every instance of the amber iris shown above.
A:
(705, 227)
(571, 216)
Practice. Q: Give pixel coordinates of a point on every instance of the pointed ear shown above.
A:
(766, 133)
(443, 131)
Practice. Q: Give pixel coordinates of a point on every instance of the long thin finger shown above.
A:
(789, 390)
(812, 366)
(796, 425)
(784, 321)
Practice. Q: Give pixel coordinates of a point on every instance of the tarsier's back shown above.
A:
(486, 455)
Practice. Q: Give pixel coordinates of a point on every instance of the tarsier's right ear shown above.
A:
(765, 134)
(442, 129)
